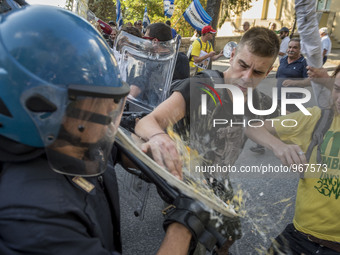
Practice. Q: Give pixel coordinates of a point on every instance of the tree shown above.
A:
(230, 7)
(103, 9)
(132, 10)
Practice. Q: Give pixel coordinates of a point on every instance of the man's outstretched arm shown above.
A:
(152, 129)
(266, 136)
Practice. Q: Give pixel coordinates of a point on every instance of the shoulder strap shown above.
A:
(320, 129)
(214, 76)
(190, 49)
(209, 45)
(199, 40)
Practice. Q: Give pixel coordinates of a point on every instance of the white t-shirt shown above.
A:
(284, 46)
(326, 44)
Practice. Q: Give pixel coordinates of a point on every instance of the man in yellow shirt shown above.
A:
(203, 51)
(316, 225)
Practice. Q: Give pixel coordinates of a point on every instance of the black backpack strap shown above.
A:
(320, 129)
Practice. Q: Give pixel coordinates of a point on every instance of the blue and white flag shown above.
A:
(169, 6)
(196, 16)
(119, 19)
(146, 20)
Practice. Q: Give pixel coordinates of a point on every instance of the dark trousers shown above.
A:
(324, 60)
(293, 242)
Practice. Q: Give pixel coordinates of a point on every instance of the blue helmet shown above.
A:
(48, 57)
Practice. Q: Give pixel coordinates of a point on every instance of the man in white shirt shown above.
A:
(326, 43)
(284, 35)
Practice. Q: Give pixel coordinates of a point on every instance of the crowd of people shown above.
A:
(61, 104)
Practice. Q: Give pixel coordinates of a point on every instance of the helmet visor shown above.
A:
(85, 139)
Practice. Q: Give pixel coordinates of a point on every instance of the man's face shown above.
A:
(293, 50)
(211, 36)
(245, 26)
(139, 24)
(336, 93)
(283, 35)
(113, 34)
(246, 69)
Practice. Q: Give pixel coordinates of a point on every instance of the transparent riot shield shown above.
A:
(147, 66)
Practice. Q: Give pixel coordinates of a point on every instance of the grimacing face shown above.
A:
(246, 69)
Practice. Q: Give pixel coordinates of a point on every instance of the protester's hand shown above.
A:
(290, 154)
(320, 76)
(196, 218)
(164, 152)
(317, 73)
(288, 83)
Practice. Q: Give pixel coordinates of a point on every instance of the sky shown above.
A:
(60, 3)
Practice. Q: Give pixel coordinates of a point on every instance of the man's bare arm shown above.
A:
(266, 136)
(152, 129)
(297, 83)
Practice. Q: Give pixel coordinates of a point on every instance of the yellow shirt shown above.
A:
(317, 206)
(196, 51)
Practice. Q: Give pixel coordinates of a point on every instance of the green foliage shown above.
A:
(230, 7)
(103, 9)
(133, 10)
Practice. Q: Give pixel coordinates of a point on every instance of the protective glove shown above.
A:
(196, 217)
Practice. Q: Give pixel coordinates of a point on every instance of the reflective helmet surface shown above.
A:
(45, 51)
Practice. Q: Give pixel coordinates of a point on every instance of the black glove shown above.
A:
(195, 217)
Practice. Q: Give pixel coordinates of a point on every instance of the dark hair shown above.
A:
(132, 30)
(112, 23)
(160, 31)
(168, 22)
(261, 41)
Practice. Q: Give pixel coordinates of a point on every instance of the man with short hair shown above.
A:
(140, 86)
(112, 37)
(326, 44)
(112, 24)
(293, 67)
(202, 51)
(284, 35)
(292, 72)
(250, 63)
